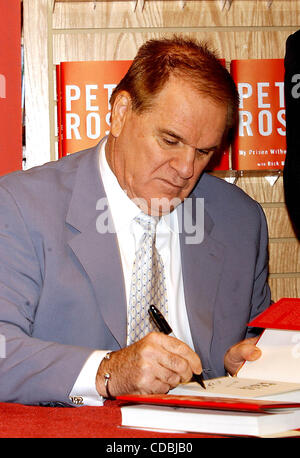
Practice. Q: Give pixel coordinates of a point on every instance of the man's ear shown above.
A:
(122, 105)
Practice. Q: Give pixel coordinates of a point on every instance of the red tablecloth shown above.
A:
(19, 421)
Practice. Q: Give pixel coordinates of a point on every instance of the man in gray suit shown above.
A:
(68, 240)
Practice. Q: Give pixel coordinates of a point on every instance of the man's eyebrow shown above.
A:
(181, 139)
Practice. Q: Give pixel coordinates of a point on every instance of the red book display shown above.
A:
(83, 109)
(84, 89)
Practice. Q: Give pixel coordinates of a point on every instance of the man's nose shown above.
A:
(183, 163)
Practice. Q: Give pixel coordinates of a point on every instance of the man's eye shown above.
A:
(203, 151)
(167, 141)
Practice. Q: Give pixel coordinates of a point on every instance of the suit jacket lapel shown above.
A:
(202, 269)
(97, 252)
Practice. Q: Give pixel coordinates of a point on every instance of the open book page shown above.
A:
(280, 359)
(236, 387)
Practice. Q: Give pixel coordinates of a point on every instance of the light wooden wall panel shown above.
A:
(284, 256)
(201, 13)
(260, 189)
(107, 44)
(36, 82)
(278, 221)
(284, 286)
(106, 30)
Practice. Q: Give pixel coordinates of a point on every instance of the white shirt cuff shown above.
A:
(84, 389)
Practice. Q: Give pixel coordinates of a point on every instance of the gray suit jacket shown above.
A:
(61, 282)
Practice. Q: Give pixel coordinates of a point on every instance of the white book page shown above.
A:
(235, 387)
(280, 360)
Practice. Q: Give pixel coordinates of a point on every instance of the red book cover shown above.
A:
(83, 92)
(10, 87)
(283, 314)
(260, 143)
(203, 402)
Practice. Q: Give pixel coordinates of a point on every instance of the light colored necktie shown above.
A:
(148, 284)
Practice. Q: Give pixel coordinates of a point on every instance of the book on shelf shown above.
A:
(83, 109)
(263, 398)
(260, 141)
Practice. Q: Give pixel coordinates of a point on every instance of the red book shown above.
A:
(260, 143)
(83, 92)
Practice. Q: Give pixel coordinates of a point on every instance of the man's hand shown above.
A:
(155, 364)
(245, 350)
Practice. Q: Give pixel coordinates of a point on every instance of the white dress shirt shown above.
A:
(129, 234)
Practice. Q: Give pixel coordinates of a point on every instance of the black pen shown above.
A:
(164, 327)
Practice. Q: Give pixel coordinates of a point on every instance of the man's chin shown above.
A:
(158, 206)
